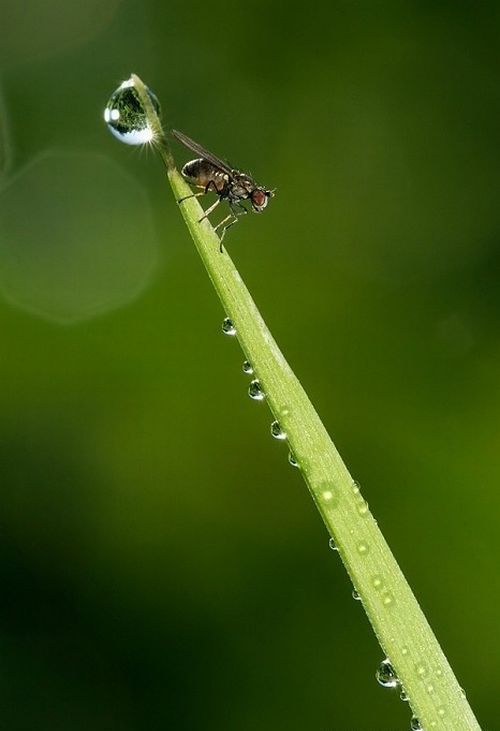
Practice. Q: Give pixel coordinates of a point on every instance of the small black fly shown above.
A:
(211, 173)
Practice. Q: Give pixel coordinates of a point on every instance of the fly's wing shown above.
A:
(195, 147)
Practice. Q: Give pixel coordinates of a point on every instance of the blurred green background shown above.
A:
(162, 565)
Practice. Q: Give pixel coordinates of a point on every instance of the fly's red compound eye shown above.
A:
(259, 198)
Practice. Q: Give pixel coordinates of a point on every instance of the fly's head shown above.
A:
(259, 197)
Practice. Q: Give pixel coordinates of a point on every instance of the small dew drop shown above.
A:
(356, 595)
(415, 724)
(387, 599)
(255, 391)
(227, 327)
(276, 431)
(331, 545)
(327, 495)
(362, 548)
(404, 650)
(355, 487)
(377, 582)
(462, 693)
(125, 115)
(441, 711)
(292, 460)
(404, 696)
(363, 507)
(247, 368)
(421, 670)
(439, 672)
(386, 675)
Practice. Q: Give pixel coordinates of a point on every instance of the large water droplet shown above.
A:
(125, 115)
(255, 391)
(415, 724)
(292, 460)
(386, 675)
(228, 327)
(247, 367)
(276, 431)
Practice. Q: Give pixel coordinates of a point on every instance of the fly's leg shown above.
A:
(193, 195)
(228, 225)
(203, 192)
(234, 215)
(209, 210)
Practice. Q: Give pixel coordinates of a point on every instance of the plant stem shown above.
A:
(397, 620)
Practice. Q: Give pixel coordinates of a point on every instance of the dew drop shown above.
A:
(421, 670)
(327, 495)
(362, 548)
(404, 650)
(386, 675)
(377, 582)
(404, 696)
(355, 487)
(430, 689)
(255, 391)
(125, 115)
(292, 460)
(462, 693)
(227, 327)
(356, 595)
(415, 724)
(276, 431)
(247, 368)
(441, 711)
(363, 507)
(387, 599)
(331, 545)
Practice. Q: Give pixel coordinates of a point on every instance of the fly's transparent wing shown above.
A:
(205, 154)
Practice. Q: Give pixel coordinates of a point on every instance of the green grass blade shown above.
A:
(394, 613)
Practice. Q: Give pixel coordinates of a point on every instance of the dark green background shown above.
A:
(162, 565)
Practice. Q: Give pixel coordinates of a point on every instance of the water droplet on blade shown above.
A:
(386, 675)
(276, 431)
(125, 115)
(228, 327)
(247, 367)
(331, 545)
(255, 391)
(292, 460)
(356, 595)
(415, 724)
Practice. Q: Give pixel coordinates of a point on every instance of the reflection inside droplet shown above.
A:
(125, 115)
(386, 675)
(277, 431)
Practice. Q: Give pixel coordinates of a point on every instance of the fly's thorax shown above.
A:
(201, 172)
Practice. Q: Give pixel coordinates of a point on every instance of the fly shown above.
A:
(211, 173)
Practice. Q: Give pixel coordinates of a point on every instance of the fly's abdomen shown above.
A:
(200, 172)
